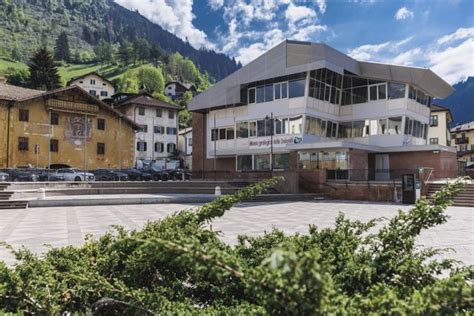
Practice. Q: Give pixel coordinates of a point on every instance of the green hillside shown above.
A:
(25, 25)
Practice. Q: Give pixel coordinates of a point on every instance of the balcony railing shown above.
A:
(461, 140)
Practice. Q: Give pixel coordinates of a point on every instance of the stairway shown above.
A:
(463, 198)
(6, 203)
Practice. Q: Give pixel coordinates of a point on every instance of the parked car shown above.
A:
(138, 175)
(71, 174)
(49, 175)
(157, 175)
(22, 175)
(4, 177)
(110, 175)
(177, 174)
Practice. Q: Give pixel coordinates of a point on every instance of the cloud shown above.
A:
(295, 13)
(452, 63)
(366, 52)
(175, 16)
(461, 33)
(216, 4)
(403, 13)
(249, 53)
(321, 5)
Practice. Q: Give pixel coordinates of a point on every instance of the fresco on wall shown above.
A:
(78, 129)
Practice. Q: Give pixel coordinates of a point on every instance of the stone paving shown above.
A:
(36, 227)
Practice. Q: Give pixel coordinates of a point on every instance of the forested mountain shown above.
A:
(461, 102)
(27, 24)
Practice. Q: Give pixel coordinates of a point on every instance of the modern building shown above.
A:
(308, 106)
(95, 84)
(185, 146)
(439, 131)
(157, 136)
(63, 126)
(463, 136)
(176, 89)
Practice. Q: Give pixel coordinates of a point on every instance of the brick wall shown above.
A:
(444, 163)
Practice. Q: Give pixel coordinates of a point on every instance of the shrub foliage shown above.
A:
(178, 265)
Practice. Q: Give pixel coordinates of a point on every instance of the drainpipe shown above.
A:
(10, 105)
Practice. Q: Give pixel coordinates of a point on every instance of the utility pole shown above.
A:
(85, 145)
(215, 148)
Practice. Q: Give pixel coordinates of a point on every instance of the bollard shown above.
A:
(218, 191)
(42, 192)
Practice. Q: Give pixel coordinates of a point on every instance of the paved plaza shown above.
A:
(60, 226)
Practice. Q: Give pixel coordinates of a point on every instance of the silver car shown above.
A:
(71, 174)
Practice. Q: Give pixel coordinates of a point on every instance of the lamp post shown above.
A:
(271, 139)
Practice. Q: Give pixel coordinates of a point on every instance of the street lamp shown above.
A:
(271, 138)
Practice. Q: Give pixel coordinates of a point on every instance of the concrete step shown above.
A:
(288, 197)
(139, 190)
(5, 205)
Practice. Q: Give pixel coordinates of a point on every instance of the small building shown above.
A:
(64, 126)
(306, 106)
(185, 146)
(95, 84)
(176, 89)
(439, 131)
(157, 137)
(463, 136)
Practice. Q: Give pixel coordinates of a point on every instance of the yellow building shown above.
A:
(440, 125)
(63, 126)
(463, 136)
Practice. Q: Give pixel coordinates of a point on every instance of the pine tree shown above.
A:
(43, 71)
(142, 49)
(125, 53)
(61, 49)
(104, 52)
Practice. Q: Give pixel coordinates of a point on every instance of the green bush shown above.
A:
(179, 266)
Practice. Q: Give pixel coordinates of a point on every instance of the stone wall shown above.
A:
(443, 162)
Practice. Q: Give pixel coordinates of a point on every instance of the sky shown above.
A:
(436, 34)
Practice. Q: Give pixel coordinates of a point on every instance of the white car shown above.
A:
(71, 174)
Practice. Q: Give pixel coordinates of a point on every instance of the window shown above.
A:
(190, 141)
(214, 134)
(281, 161)
(222, 133)
(171, 130)
(141, 110)
(171, 148)
(396, 90)
(158, 113)
(296, 88)
(434, 120)
(262, 162)
(92, 81)
(159, 147)
(54, 119)
(101, 124)
(251, 95)
(23, 143)
(141, 146)
(158, 129)
(93, 92)
(408, 126)
(54, 145)
(268, 92)
(395, 125)
(284, 90)
(171, 115)
(295, 125)
(242, 130)
(230, 133)
(434, 140)
(277, 91)
(244, 163)
(260, 94)
(252, 129)
(100, 149)
(344, 130)
(103, 93)
(260, 128)
(143, 128)
(24, 115)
